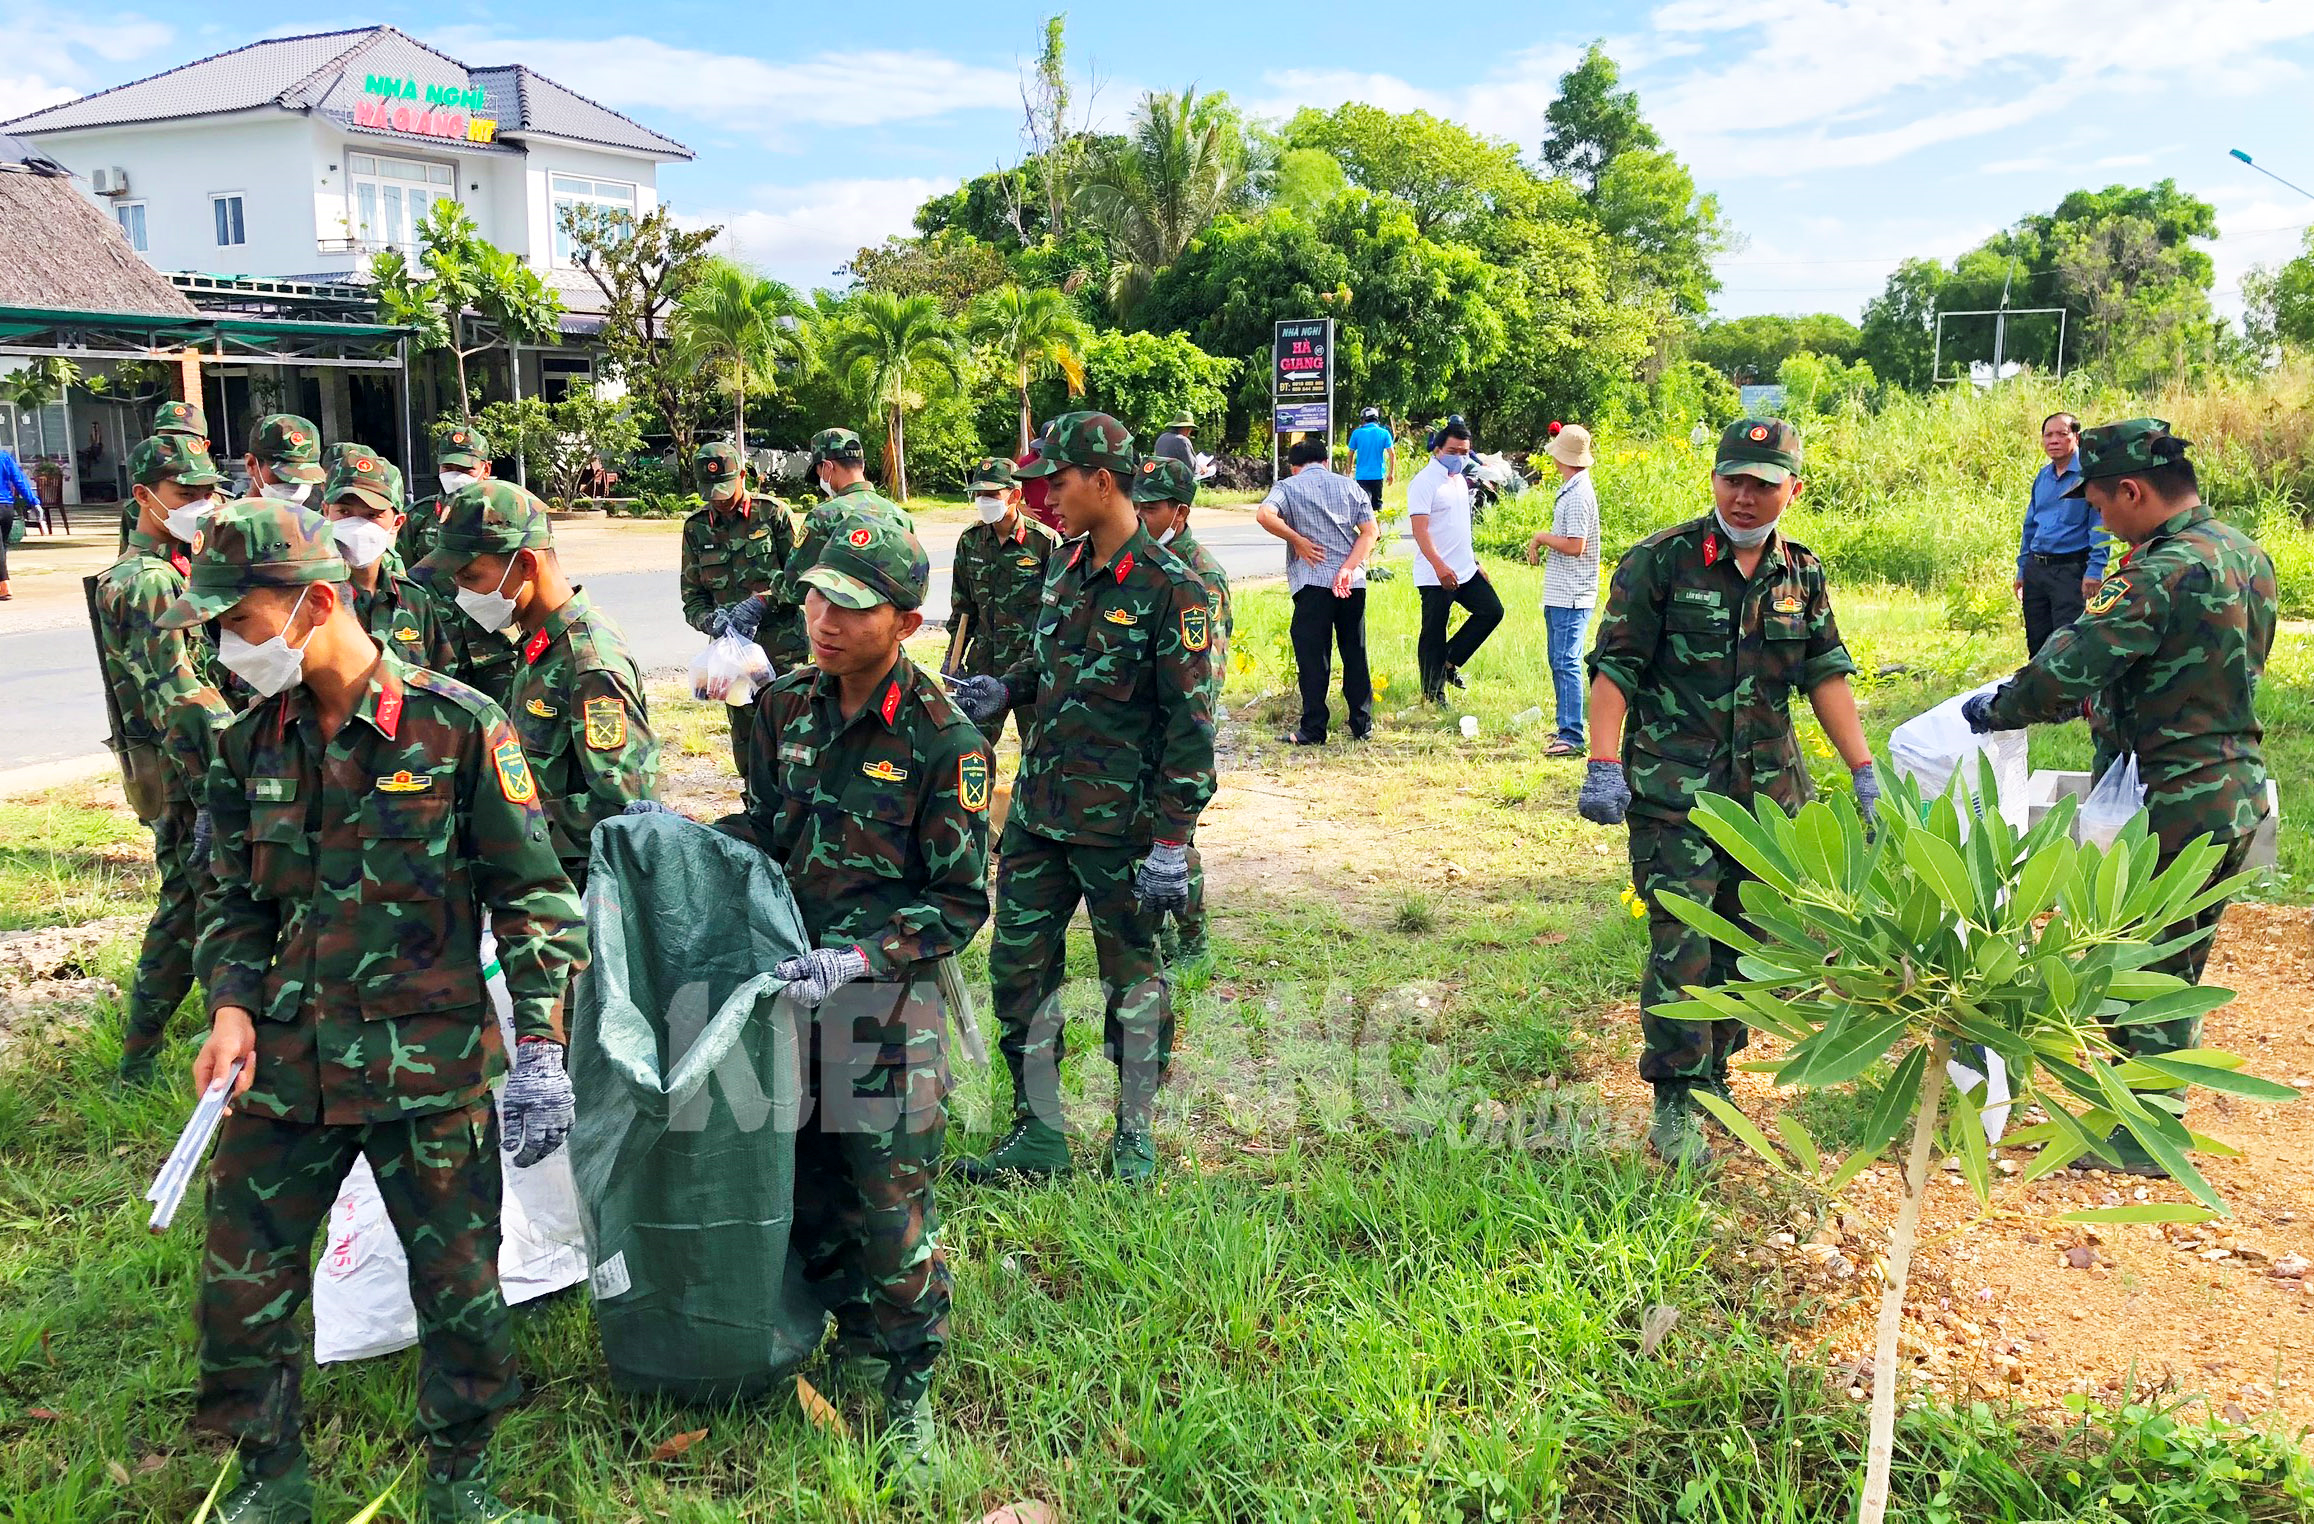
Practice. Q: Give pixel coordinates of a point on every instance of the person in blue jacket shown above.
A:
(14, 484)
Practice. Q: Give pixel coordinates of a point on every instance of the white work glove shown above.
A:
(1161, 883)
(820, 973)
(536, 1111)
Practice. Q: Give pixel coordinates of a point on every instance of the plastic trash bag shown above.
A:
(688, 1076)
(1937, 747)
(361, 1287)
(2113, 802)
(730, 669)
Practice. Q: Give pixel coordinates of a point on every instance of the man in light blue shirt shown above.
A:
(2061, 555)
(1373, 454)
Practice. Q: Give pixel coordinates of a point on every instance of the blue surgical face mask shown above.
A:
(1455, 464)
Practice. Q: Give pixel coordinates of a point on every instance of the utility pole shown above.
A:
(2001, 320)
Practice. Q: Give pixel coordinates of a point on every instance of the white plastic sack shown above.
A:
(1935, 748)
(2112, 803)
(730, 669)
(361, 1288)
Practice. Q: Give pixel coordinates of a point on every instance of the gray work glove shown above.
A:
(537, 1108)
(717, 624)
(820, 973)
(981, 698)
(744, 618)
(204, 837)
(1978, 711)
(1606, 796)
(1867, 783)
(1161, 882)
(648, 807)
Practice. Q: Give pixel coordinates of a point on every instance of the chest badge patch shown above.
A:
(406, 632)
(1119, 616)
(514, 780)
(606, 723)
(972, 780)
(542, 709)
(884, 772)
(1789, 604)
(1027, 563)
(406, 782)
(796, 751)
(272, 790)
(1197, 627)
(2108, 593)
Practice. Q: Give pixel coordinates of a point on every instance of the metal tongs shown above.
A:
(168, 1187)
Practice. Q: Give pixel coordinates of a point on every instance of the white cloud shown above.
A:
(1508, 103)
(801, 233)
(2121, 160)
(2025, 166)
(56, 49)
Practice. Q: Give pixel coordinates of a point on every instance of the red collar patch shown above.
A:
(1711, 547)
(1125, 567)
(1076, 555)
(534, 648)
(891, 706)
(389, 708)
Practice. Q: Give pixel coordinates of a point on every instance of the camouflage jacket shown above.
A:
(577, 704)
(995, 587)
(162, 680)
(1709, 661)
(2170, 647)
(727, 556)
(1120, 683)
(403, 617)
(1210, 572)
(351, 875)
(880, 821)
(419, 527)
(821, 522)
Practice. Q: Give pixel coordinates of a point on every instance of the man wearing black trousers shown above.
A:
(1328, 525)
(1445, 566)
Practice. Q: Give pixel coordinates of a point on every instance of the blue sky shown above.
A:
(1840, 135)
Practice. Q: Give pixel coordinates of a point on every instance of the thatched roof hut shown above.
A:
(67, 255)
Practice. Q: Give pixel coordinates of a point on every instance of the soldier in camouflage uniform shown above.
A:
(364, 507)
(2170, 648)
(368, 814)
(997, 582)
(284, 459)
(839, 464)
(1119, 765)
(170, 713)
(734, 551)
(871, 792)
(462, 458)
(1162, 494)
(577, 701)
(182, 419)
(1710, 629)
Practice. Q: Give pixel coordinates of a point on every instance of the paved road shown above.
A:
(51, 707)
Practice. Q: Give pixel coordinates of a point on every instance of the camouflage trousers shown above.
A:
(866, 1225)
(1682, 859)
(2186, 963)
(165, 962)
(1039, 883)
(742, 742)
(271, 1185)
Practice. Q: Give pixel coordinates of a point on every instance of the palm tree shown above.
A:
(731, 322)
(1035, 333)
(893, 342)
(1181, 166)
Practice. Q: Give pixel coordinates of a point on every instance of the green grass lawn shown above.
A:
(1403, 1266)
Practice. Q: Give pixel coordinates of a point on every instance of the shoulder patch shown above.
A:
(1196, 627)
(514, 779)
(606, 723)
(972, 780)
(2109, 592)
(469, 699)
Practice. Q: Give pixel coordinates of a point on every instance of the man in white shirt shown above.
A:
(1445, 567)
(1570, 579)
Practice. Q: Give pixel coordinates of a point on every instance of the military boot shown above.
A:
(1674, 1134)
(1132, 1155)
(1032, 1150)
(910, 1442)
(137, 1063)
(1716, 1085)
(472, 1502)
(863, 1373)
(277, 1493)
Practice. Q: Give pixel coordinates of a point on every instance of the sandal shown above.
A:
(1562, 749)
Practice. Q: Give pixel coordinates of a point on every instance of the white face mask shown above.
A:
(360, 541)
(1167, 537)
(286, 492)
(492, 611)
(269, 667)
(991, 509)
(453, 480)
(1744, 539)
(185, 521)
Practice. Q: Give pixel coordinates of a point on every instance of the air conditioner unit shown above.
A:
(110, 182)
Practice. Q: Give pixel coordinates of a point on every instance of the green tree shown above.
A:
(888, 347)
(738, 325)
(1034, 334)
(1746, 348)
(643, 268)
(1647, 202)
(560, 443)
(1897, 338)
(1816, 383)
(1305, 180)
(1443, 172)
(950, 265)
(1180, 167)
(2144, 302)
(2280, 302)
(465, 276)
(1142, 379)
(1591, 123)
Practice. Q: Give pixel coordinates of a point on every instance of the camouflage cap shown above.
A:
(837, 444)
(1164, 480)
(463, 447)
(366, 477)
(2123, 449)
(1768, 448)
(290, 446)
(721, 469)
(252, 543)
(179, 458)
(181, 418)
(488, 518)
(1085, 439)
(995, 474)
(869, 560)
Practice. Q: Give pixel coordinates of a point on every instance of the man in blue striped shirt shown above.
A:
(2061, 557)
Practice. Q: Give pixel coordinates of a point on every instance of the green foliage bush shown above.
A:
(655, 505)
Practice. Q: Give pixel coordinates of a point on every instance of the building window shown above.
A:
(131, 216)
(231, 230)
(392, 197)
(572, 190)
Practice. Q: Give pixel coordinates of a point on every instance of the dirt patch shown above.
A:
(47, 988)
(2021, 1307)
